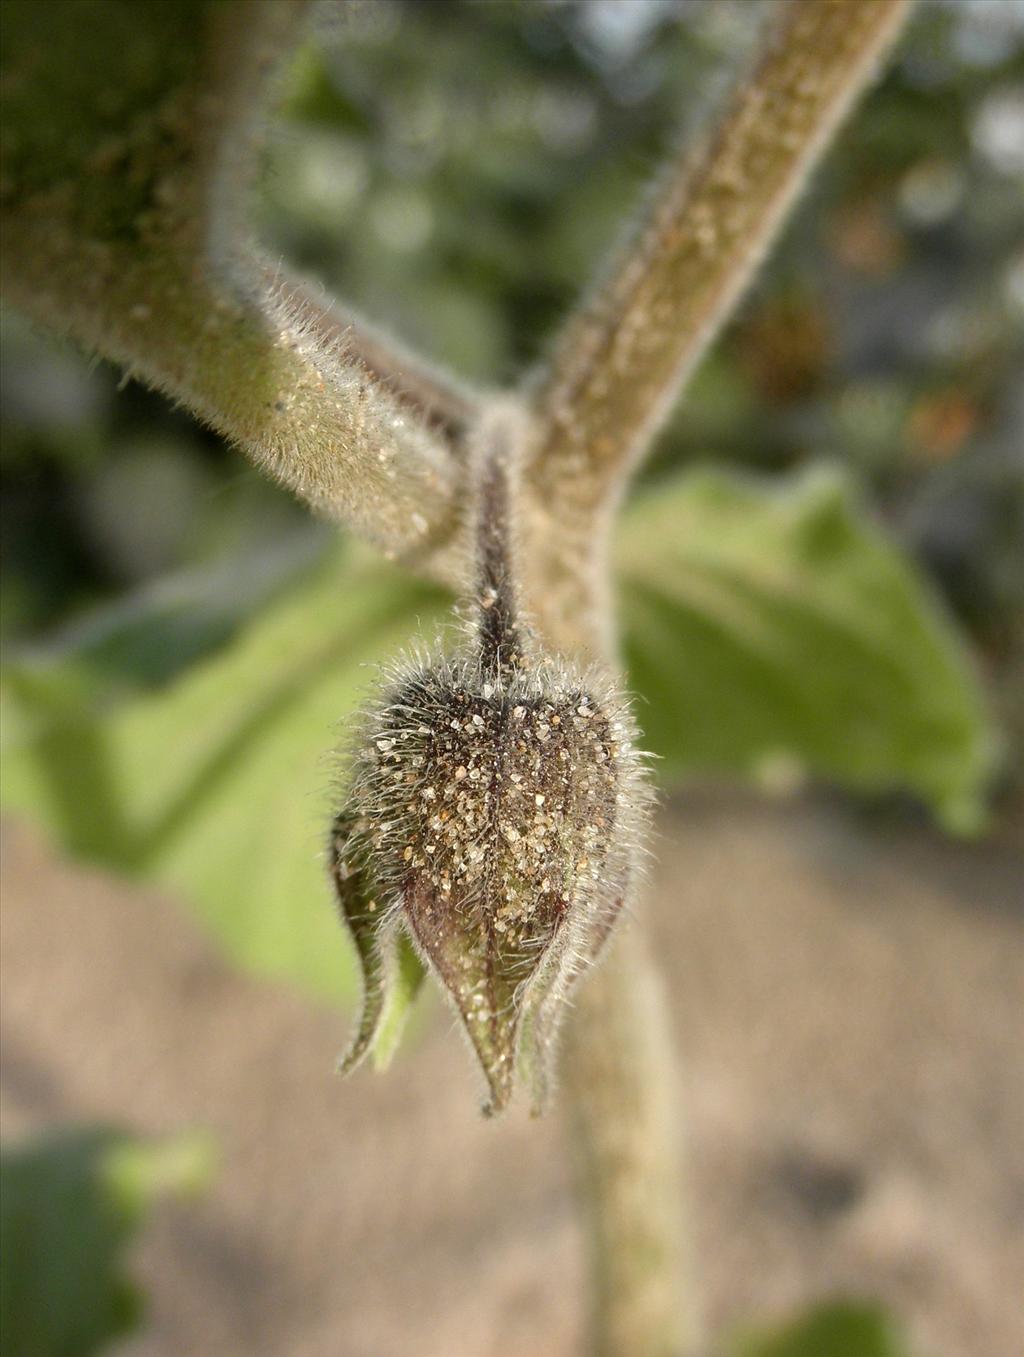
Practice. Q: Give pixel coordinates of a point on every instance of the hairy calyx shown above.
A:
(495, 805)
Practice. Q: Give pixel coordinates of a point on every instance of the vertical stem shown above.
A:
(621, 1081)
(620, 1074)
(496, 594)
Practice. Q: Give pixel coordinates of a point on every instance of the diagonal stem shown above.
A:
(125, 227)
(434, 397)
(623, 359)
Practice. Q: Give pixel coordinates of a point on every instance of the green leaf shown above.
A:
(154, 633)
(409, 978)
(835, 1329)
(391, 972)
(774, 632)
(219, 785)
(69, 1205)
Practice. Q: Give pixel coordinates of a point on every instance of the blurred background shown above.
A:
(840, 886)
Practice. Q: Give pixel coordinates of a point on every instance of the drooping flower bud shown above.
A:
(497, 799)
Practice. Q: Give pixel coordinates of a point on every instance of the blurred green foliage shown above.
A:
(774, 633)
(70, 1203)
(218, 783)
(833, 1329)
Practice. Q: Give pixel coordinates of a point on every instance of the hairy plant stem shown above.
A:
(621, 1082)
(129, 142)
(626, 1134)
(622, 361)
(620, 1078)
(433, 396)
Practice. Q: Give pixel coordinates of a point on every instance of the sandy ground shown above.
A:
(849, 1001)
